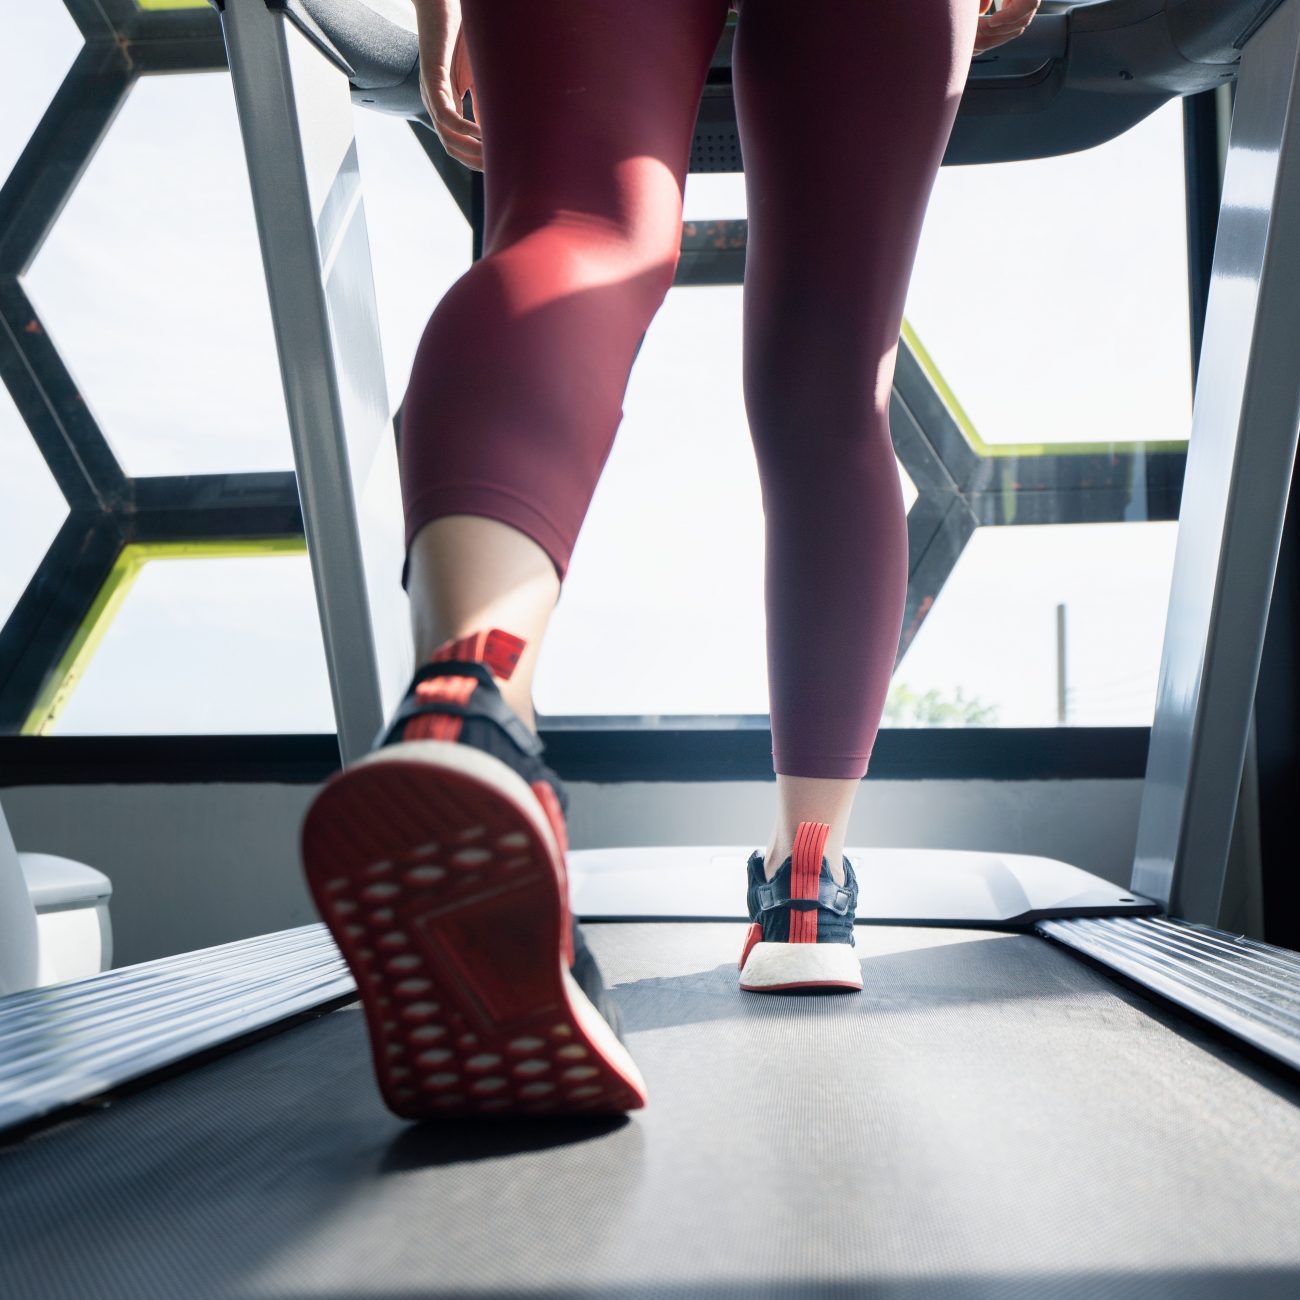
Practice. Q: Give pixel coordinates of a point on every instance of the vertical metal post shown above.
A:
(295, 113)
(1239, 464)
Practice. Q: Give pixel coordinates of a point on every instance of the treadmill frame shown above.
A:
(1240, 458)
(295, 112)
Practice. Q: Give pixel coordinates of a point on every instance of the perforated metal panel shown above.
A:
(717, 142)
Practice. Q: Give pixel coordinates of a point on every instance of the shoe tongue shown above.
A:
(499, 649)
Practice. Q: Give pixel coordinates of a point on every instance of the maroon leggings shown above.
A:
(587, 109)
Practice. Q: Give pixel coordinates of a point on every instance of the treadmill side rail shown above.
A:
(1251, 989)
(295, 115)
(64, 1043)
(1240, 459)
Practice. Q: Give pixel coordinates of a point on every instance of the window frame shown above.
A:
(36, 639)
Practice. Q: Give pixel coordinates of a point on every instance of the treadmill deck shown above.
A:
(991, 1116)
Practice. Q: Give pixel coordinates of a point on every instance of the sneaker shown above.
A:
(437, 861)
(801, 922)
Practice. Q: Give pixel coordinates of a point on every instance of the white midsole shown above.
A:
(771, 964)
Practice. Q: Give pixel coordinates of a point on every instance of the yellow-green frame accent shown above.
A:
(994, 449)
(72, 664)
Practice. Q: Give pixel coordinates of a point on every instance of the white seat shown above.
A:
(75, 936)
(54, 920)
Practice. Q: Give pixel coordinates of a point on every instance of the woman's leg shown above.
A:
(587, 109)
(845, 110)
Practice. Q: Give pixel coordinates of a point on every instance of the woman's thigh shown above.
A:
(844, 110)
(588, 108)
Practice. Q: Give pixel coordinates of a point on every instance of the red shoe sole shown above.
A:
(436, 870)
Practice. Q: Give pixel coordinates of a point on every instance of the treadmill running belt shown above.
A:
(990, 1117)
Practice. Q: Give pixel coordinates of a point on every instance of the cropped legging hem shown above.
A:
(836, 767)
(493, 501)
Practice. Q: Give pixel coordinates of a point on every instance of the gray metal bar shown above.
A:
(295, 113)
(1239, 464)
(1250, 989)
(67, 1042)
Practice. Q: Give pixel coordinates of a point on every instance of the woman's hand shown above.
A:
(1005, 25)
(445, 77)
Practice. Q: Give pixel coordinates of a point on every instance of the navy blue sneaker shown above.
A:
(437, 861)
(801, 921)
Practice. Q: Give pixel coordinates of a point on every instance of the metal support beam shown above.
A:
(1239, 465)
(295, 113)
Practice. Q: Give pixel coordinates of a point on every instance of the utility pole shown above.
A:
(1060, 664)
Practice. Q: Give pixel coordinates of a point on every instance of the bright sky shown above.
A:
(1051, 294)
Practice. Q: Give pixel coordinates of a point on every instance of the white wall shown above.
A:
(194, 865)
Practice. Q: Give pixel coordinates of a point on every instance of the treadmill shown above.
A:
(1049, 1087)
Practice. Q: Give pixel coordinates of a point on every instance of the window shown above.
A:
(1048, 308)
(1056, 325)
(152, 289)
(201, 639)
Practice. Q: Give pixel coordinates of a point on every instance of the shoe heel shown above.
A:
(439, 876)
